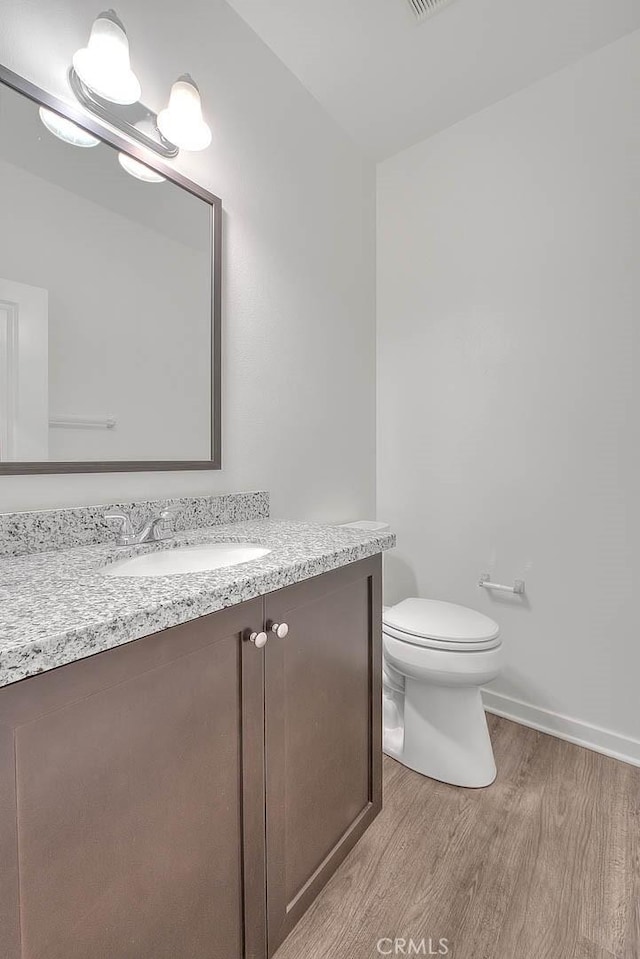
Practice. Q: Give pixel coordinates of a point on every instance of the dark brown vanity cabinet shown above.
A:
(323, 733)
(188, 794)
(122, 811)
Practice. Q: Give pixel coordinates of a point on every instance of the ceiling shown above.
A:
(391, 81)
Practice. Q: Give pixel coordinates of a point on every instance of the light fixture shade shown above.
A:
(181, 122)
(139, 170)
(66, 130)
(103, 65)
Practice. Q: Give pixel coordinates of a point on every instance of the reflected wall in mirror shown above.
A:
(109, 300)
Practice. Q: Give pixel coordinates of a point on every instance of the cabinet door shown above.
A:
(127, 788)
(323, 733)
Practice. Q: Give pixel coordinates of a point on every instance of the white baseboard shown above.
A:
(573, 730)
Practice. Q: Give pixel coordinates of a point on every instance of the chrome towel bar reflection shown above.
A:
(518, 585)
(65, 421)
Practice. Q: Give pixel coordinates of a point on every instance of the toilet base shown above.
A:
(444, 735)
(393, 723)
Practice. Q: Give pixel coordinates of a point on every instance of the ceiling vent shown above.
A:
(422, 9)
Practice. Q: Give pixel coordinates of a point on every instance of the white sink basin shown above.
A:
(187, 559)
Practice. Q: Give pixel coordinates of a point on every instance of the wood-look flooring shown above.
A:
(544, 864)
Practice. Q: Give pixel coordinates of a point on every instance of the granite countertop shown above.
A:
(57, 606)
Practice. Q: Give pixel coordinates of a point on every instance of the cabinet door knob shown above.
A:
(259, 639)
(280, 629)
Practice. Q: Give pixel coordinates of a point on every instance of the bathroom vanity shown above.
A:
(187, 793)
(190, 730)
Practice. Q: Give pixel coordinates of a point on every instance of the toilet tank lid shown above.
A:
(366, 526)
(433, 619)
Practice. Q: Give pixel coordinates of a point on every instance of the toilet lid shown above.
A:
(430, 619)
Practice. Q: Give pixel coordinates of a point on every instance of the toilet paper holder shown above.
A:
(517, 588)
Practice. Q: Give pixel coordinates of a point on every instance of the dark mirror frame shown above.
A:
(119, 142)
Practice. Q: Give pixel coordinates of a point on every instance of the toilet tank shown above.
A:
(366, 526)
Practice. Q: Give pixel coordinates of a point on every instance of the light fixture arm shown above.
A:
(124, 118)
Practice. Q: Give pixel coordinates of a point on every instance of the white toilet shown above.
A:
(436, 657)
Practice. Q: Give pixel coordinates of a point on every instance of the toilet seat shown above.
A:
(426, 642)
(438, 625)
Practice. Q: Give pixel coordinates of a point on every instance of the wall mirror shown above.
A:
(110, 268)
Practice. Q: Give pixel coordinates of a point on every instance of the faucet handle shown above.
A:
(169, 512)
(149, 533)
(126, 526)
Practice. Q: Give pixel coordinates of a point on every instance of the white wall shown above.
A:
(509, 387)
(299, 342)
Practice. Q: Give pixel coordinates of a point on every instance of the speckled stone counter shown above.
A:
(58, 606)
(37, 530)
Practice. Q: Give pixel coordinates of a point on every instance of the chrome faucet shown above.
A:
(148, 532)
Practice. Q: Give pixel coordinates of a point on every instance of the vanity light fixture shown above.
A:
(66, 130)
(104, 83)
(139, 170)
(181, 121)
(104, 65)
